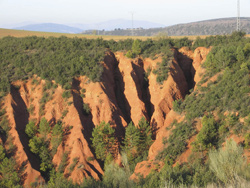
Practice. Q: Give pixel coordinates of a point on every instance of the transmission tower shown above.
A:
(238, 15)
(132, 31)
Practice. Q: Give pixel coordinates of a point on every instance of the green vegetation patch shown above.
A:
(137, 142)
(230, 91)
(177, 142)
(58, 59)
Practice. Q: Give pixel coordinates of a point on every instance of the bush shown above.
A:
(90, 159)
(115, 176)
(31, 129)
(63, 163)
(129, 54)
(177, 105)
(161, 71)
(208, 136)
(177, 141)
(228, 164)
(57, 135)
(66, 94)
(44, 128)
(86, 109)
(74, 163)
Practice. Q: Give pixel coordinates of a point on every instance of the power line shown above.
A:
(238, 15)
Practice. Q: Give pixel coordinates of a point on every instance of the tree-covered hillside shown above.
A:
(214, 111)
(61, 59)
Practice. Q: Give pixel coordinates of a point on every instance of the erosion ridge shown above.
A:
(122, 96)
(183, 76)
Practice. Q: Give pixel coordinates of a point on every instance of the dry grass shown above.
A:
(22, 33)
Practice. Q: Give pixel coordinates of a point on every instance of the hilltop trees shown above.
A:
(63, 58)
(58, 59)
(135, 50)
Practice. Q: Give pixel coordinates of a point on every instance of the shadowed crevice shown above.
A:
(86, 120)
(95, 170)
(121, 99)
(186, 64)
(142, 87)
(21, 117)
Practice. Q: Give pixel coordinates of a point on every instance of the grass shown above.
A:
(23, 33)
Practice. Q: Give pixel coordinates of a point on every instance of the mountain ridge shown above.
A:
(50, 27)
(121, 27)
(217, 26)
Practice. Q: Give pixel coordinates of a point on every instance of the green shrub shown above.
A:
(90, 159)
(177, 141)
(74, 163)
(4, 125)
(66, 94)
(44, 128)
(56, 137)
(115, 176)
(161, 71)
(129, 54)
(228, 164)
(63, 163)
(64, 113)
(208, 135)
(31, 109)
(9, 173)
(86, 109)
(31, 129)
(177, 105)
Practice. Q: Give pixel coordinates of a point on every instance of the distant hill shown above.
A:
(207, 27)
(50, 27)
(122, 27)
(78, 28)
(117, 24)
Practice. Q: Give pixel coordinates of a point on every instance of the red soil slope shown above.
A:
(121, 97)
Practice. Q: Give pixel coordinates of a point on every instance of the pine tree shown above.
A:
(145, 135)
(136, 47)
(31, 129)
(137, 142)
(103, 140)
(44, 128)
(131, 142)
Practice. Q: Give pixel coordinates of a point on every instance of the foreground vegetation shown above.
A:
(221, 106)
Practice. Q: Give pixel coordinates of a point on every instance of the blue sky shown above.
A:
(167, 12)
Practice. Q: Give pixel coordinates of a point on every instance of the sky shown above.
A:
(166, 12)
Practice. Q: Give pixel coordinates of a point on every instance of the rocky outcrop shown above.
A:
(123, 95)
(182, 78)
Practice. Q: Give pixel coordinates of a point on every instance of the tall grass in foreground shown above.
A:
(229, 166)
